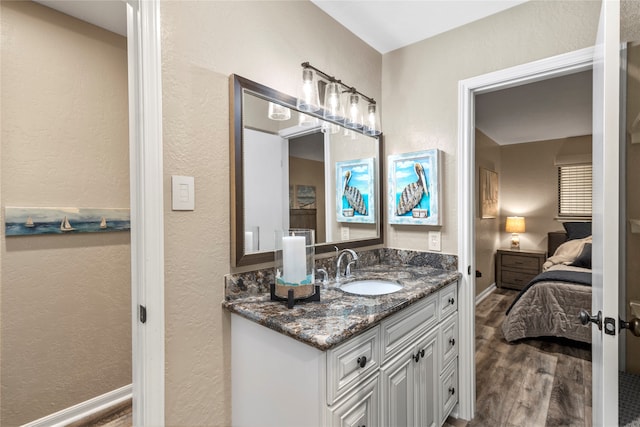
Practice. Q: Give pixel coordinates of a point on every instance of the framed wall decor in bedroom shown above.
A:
(488, 193)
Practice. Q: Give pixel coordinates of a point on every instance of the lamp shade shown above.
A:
(515, 224)
(308, 99)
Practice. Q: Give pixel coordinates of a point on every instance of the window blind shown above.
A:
(574, 190)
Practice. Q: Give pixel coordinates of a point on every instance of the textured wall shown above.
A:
(65, 300)
(203, 43)
(420, 86)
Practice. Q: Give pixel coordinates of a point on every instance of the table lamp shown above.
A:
(515, 225)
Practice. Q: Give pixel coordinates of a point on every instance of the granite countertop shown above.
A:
(338, 315)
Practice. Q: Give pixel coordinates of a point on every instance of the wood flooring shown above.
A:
(533, 382)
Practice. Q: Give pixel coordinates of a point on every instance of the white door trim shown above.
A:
(555, 66)
(147, 211)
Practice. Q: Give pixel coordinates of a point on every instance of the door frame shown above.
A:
(147, 211)
(555, 66)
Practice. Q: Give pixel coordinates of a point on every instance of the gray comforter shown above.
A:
(550, 309)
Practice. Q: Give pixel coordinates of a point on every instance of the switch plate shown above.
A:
(345, 233)
(182, 193)
(434, 241)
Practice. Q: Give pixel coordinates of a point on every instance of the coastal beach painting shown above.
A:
(355, 201)
(21, 221)
(414, 188)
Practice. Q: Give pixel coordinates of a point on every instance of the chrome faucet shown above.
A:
(341, 255)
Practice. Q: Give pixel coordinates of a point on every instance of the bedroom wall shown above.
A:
(65, 300)
(529, 186)
(487, 229)
(633, 201)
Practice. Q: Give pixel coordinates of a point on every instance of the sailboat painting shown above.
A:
(21, 221)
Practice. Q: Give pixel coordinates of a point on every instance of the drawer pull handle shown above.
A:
(452, 341)
(452, 391)
(362, 361)
(452, 301)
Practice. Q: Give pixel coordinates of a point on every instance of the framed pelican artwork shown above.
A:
(414, 188)
(355, 196)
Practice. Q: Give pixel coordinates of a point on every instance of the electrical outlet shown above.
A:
(434, 241)
(345, 233)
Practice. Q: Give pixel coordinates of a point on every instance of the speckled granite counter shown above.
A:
(339, 315)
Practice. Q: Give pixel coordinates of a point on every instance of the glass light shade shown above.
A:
(279, 112)
(353, 118)
(308, 99)
(515, 224)
(294, 262)
(330, 128)
(372, 123)
(333, 109)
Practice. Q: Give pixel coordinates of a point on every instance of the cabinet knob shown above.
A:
(416, 356)
(452, 341)
(422, 353)
(452, 391)
(362, 361)
(452, 301)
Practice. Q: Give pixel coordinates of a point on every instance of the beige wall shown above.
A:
(487, 229)
(65, 300)
(202, 44)
(633, 202)
(529, 186)
(420, 86)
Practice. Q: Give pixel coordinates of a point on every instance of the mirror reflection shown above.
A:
(299, 171)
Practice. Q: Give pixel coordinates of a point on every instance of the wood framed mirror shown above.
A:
(297, 170)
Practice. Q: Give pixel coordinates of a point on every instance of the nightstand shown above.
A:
(515, 268)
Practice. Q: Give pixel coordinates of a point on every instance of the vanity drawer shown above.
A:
(351, 362)
(403, 327)
(449, 340)
(448, 389)
(448, 300)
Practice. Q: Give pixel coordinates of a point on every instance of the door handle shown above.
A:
(632, 325)
(585, 318)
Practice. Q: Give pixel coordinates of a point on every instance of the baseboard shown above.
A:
(482, 295)
(84, 409)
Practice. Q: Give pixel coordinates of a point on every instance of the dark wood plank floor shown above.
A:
(533, 382)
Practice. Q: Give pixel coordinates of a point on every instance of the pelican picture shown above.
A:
(413, 188)
(354, 191)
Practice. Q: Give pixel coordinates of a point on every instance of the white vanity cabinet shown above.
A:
(401, 372)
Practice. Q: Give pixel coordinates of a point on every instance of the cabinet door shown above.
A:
(426, 382)
(358, 409)
(397, 386)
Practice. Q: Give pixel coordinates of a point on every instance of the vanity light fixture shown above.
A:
(515, 225)
(342, 103)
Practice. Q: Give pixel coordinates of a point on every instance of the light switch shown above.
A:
(182, 193)
(434, 241)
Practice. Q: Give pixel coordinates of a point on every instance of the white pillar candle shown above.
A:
(294, 264)
(248, 242)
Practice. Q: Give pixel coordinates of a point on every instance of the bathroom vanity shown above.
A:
(349, 360)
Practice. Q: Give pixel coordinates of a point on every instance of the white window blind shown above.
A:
(574, 190)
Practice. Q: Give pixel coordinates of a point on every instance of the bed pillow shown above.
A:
(577, 230)
(584, 259)
(567, 252)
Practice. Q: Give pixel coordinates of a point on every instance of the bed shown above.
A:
(549, 305)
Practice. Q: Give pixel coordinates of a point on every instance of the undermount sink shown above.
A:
(371, 287)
